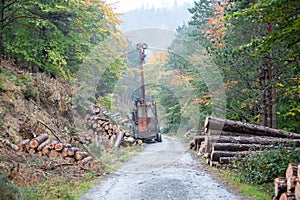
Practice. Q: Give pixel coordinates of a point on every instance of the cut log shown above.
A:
(297, 191)
(287, 196)
(239, 147)
(139, 142)
(79, 155)
(31, 151)
(215, 155)
(45, 150)
(240, 127)
(119, 139)
(192, 145)
(7, 143)
(221, 132)
(229, 160)
(61, 146)
(72, 151)
(292, 170)
(197, 141)
(70, 160)
(280, 186)
(291, 183)
(35, 142)
(209, 140)
(64, 152)
(52, 144)
(53, 154)
(85, 161)
(43, 144)
(22, 145)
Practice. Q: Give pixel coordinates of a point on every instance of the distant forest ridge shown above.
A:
(165, 18)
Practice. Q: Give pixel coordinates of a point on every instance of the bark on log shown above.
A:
(292, 170)
(240, 127)
(22, 145)
(215, 155)
(119, 139)
(72, 151)
(35, 142)
(52, 144)
(297, 190)
(198, 140)
(192, 145)
(229, 160)
(291, 183)
(287, 196)
(43, 144)
(280, 186)
(85, 161)
(61, 146)
(209, 140)
(79, 155)
(298, 171)
(222, 132)
(239, 147)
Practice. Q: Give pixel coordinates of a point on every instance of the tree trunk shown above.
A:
(252, 129)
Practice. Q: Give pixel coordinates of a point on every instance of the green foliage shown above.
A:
(55, 36)
(265, 167)
(7, 189)
(105, 102)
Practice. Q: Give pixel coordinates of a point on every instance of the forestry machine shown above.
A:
(144, 116)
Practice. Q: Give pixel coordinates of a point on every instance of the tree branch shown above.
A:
(19, 17)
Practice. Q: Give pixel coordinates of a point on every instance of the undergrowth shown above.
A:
(265, 167)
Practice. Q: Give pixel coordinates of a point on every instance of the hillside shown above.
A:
(33, 105)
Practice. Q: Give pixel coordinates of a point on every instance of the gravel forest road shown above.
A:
(162, 171)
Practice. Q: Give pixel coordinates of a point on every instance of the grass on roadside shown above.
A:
(257, 192)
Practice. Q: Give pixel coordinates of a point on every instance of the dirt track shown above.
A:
(162, 171)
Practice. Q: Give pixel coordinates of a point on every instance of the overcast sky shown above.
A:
(123, 6)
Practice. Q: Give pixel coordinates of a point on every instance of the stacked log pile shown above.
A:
(43, 146)
(226, 141)
(288, 187)
(101, 129)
